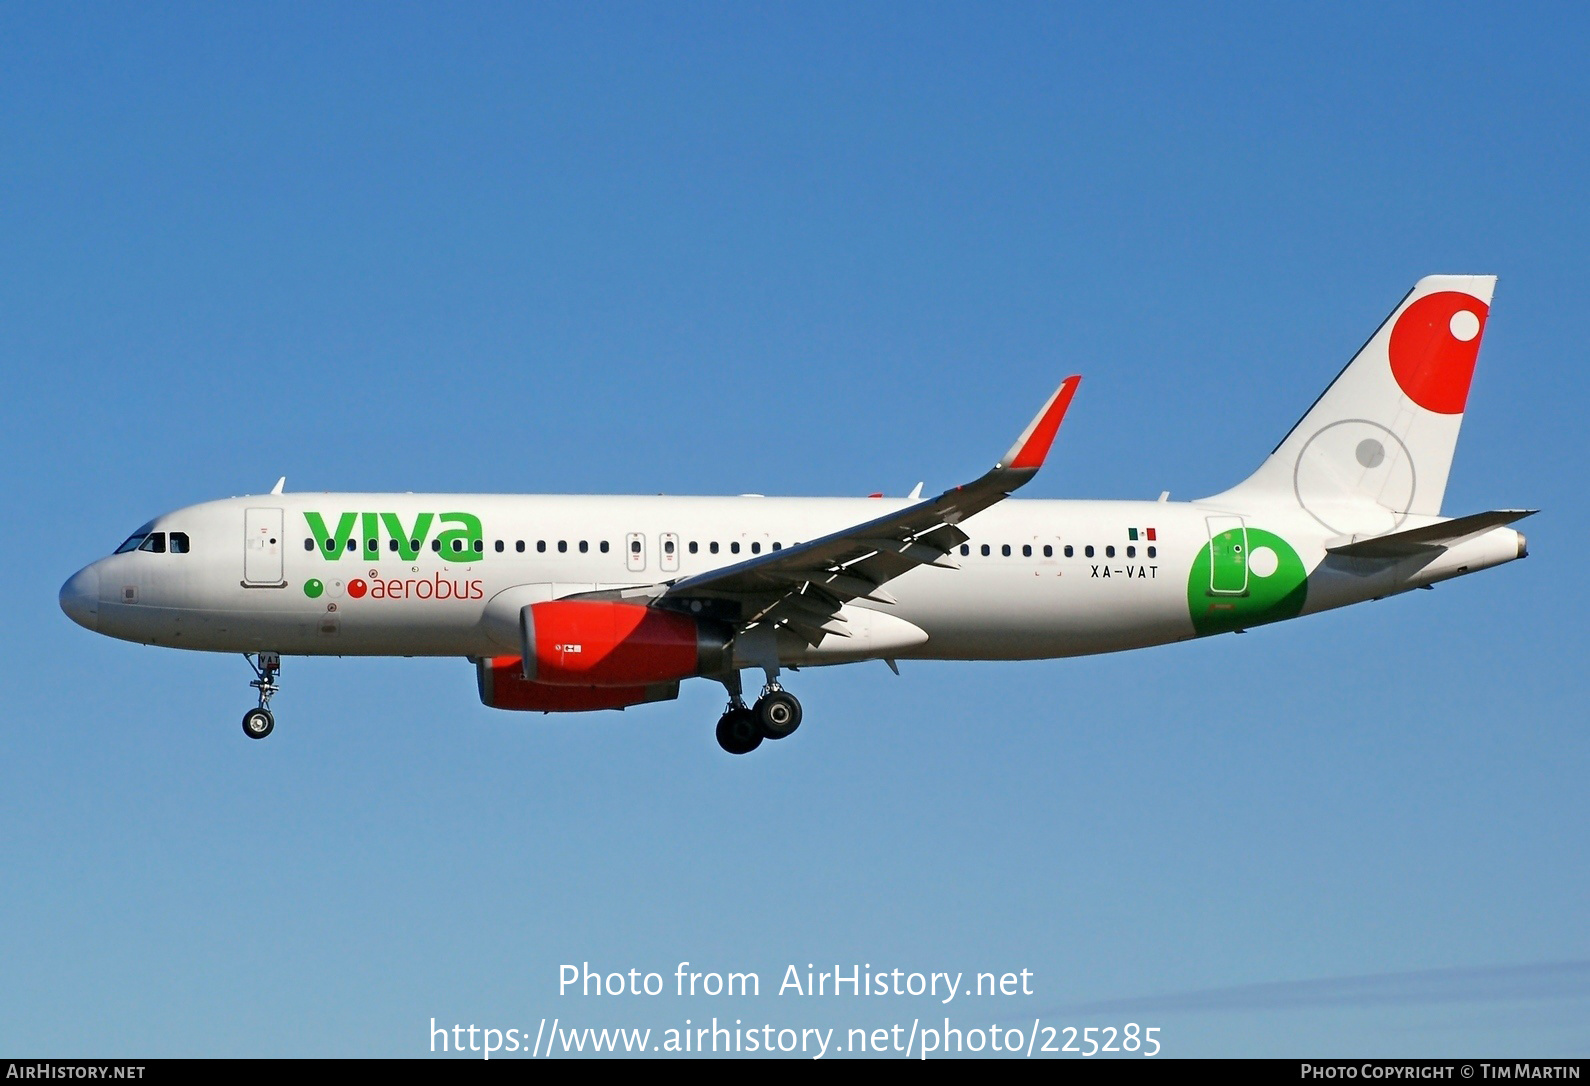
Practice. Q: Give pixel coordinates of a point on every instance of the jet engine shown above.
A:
(600, 643)
(503, 686)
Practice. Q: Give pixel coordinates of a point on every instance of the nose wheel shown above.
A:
(258, 723)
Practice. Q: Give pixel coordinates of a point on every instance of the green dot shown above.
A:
(1245, 589)
(313, 588)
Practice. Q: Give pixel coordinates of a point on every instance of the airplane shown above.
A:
(571, 603)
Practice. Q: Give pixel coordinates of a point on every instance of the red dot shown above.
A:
(1433, 347)
(357, 588)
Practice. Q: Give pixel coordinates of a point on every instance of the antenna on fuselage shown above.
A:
(280, 483)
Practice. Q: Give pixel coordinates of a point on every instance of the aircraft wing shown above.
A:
(803, 586)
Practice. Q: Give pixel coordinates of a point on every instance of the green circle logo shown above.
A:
(313, 588)
(1245, 577)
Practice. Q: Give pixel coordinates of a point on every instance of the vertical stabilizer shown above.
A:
(1376, 447)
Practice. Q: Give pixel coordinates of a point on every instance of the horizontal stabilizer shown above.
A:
(1430, 537)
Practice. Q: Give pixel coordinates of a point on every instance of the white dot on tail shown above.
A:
(1464, 325)
(1263, 562)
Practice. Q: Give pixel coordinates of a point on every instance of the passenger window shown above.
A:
(713, 546)
(1070, 551)
(373, 546)
(602, 546)
(309, 544)
(436, 546)
(1088, 550)
(541, 546)
(585, 547)
(734, 548)
(778, 546)
(1026, 550)
(1005, 550)
(154, 542)
(499, 546)
(392, 545)
(458, 546)
(1131, 552)
(1153, 552)
(966, 548)
(179, 542)
(353, 545)
(414, 545)
(986, 550)
(563, 546)
(756, 548)
(694, 546)
(519, 546)
(1109, 552)
(1048, 551)
(480, 546)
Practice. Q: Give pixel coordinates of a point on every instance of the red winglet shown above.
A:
(1032, 446)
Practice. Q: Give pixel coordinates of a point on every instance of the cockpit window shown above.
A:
(136, 540)
(179, 542)
(154, 542)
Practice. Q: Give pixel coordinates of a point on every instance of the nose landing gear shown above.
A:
(258, 723)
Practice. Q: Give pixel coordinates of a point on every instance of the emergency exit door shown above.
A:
(635, 552)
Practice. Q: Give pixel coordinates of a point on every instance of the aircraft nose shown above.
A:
(80, 597)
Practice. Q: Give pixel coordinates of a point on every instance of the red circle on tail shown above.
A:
(1433, 347)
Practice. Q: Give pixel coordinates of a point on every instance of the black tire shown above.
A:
(778, 714)
(258, 723)
(739, 732)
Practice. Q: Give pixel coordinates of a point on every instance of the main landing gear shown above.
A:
(258, 723)
(775, 715)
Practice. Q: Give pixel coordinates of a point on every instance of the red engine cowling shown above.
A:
(600, 643)
(503, 686)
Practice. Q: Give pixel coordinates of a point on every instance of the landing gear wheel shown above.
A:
(739, 732)
(777, 713)
(258, 723)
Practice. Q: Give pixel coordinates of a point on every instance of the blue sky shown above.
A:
(806, 250)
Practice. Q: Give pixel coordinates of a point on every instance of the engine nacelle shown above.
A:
(603, 643)
(503, 686)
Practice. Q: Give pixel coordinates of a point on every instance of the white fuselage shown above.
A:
(276, 573)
